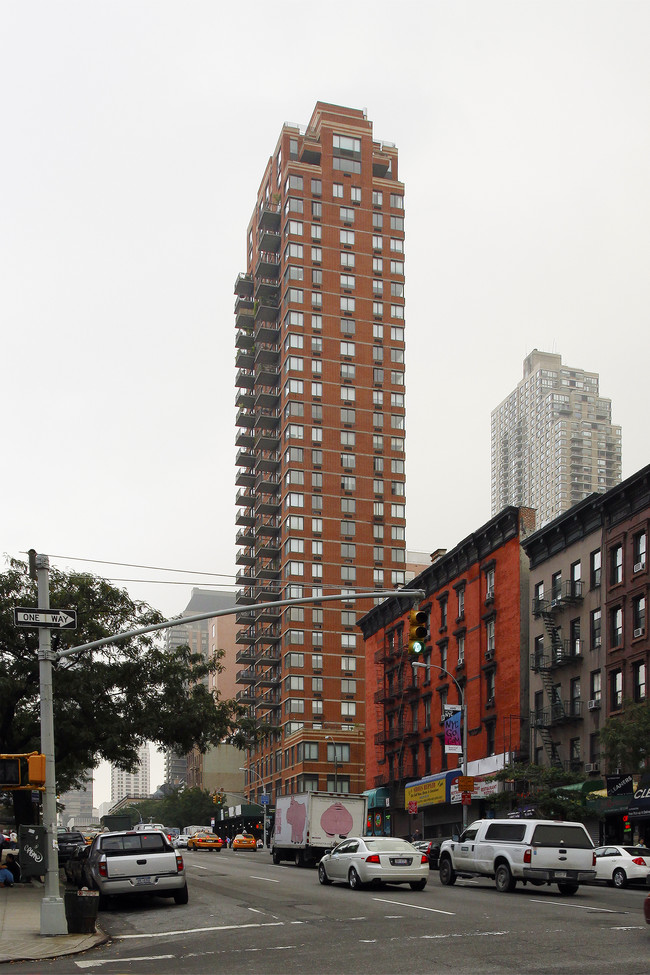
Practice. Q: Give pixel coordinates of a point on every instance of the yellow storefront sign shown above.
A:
(425, 793)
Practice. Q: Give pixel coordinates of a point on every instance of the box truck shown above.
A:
(309, 824)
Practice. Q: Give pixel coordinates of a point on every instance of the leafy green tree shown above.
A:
(542, 788)
(181, 808)
(626, 738)
(107, 702)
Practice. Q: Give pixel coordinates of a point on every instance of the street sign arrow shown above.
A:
(56, 619)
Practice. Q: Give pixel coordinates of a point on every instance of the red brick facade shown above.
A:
(477, 600)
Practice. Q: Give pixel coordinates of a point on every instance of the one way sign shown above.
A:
(56, 619)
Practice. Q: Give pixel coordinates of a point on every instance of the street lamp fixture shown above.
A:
(336, 763)
(264, 793)
(461, 694)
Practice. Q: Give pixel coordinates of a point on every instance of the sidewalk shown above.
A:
(20, 925)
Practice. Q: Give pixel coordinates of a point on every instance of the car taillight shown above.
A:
(640, 862)
(593, 859)
(528, 856)
(179, 862)
(373, 858)
(424, 858)
(102, 869)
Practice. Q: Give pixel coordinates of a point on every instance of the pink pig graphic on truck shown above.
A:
(297, 817)
(337, 820)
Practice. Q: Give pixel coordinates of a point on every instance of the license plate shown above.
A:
(560, 873)
(142, 881)
(400, 861)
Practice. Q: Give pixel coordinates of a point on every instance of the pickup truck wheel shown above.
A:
(322, 875)
(503, 879)
(567, 888)
(181, 896)
(619, 877)
(275, 856)
(446, 872)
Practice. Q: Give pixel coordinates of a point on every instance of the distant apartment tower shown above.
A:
(553, 441)
(131, 783)
(320, 438)
(77, 805)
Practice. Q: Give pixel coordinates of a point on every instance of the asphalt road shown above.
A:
(247, 916)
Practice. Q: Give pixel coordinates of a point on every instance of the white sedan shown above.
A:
(362, 860)
(180, 841)
(620, 865)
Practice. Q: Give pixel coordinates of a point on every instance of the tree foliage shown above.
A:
(626, 738)
(107, 702)
(179, 809)
(540, 788)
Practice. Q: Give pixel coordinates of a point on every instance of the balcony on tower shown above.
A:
(244, 316)
(268, 546)
(246, 696)
(245, 399)
(247, 676)
(270, 240)
(244, 286)
(270, 700)
(269, 217)
(267, 440)
(268, 266)
(310, 150)
(245, 556)
(245, 498)
(246, 655)
(245, 578)
(245, 358)
(268, 331)
(267, 291)
(245, 536)
(267, 504)
(245, 415)
(245, 338)
(245, 458)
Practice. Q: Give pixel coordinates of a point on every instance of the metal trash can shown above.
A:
(81, 907)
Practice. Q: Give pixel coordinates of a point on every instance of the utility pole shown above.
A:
(53, 920)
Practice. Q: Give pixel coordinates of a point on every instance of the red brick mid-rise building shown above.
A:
(477, 601)
(320, 437)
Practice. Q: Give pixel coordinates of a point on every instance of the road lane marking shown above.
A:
(220, 927)
(417, 907)
(121, 961)
(578, 907)
(269, 880)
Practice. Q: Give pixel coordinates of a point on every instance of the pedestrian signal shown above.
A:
(36, 769)
(9, 771)
(417, 631)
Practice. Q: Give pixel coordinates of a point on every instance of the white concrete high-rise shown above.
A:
(132, 783)
(553, 441)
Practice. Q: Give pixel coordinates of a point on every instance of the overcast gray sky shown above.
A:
(134, 137)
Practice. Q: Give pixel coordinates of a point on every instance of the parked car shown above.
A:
(432, 850)
(204, 841)
(621, 865)
(536, 851)
(244, 841)
(180, 842)
(135, 862)
(362, 860)
(74, 865)
(68, 843)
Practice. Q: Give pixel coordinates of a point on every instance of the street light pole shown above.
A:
(336, 763)
(461, 693)
(264, 793)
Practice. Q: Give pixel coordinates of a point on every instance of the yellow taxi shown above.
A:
(244, 841)
(204, 841)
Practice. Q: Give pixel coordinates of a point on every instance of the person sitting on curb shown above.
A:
(6, 878)
(13, 866)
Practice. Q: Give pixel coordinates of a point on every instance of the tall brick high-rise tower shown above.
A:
(320, 437)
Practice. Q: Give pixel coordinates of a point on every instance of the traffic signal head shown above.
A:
(9, 771)
(36, 769)
(417, 631)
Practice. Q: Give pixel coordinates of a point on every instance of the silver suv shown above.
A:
(135, 862)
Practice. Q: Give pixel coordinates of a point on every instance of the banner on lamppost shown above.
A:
(453, 743)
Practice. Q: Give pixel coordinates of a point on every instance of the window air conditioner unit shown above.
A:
(639, 631)
(592, 767)
(638, 566)
(593, 705)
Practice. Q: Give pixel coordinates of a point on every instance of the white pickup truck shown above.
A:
(536, 851)
(135, 862)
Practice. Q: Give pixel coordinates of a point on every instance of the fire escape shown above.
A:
(555, 653)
